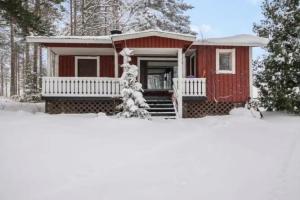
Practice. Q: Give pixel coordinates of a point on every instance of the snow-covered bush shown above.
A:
(134, 104)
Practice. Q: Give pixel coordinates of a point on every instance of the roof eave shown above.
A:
(33, 39)
(229, 44)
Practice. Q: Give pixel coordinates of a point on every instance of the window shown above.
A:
(225, 61)
(86, 66)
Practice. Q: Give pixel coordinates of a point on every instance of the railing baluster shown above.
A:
(80, 86)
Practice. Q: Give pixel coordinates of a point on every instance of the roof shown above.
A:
(69, 39)
(237, 40)
(158, 33)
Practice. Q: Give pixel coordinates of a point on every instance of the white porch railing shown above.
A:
(80, 87)
(191, 87)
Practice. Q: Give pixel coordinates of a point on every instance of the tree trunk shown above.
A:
(17, 73)
(105, 19)
(2, 76)
(12, 58)
(35, 51)
(116, 5)
(41, 73)
(82, 17)
(35, 66)
(75, 17)
(27, 70)
(71, 17)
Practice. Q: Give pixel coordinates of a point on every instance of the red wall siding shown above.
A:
(66, 66)
(152, 42)
(224, 87)
(107, 68)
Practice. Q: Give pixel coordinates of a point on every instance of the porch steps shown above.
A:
(161, 107)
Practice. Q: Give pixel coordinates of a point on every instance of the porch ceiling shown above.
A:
(82, 51)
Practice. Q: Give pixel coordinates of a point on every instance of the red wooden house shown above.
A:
(181, 75)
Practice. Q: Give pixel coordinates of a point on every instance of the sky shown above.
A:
(220, 18)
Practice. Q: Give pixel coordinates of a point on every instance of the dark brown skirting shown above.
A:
(81, 105)
(196, 109)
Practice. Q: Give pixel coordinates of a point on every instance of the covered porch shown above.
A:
(162, 71)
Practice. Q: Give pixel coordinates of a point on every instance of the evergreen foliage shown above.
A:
(134, 104)
(278, 74)
(167, 15)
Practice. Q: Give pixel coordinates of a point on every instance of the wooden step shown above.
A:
(160, 110)
(163, 114)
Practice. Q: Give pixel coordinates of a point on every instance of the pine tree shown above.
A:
(278, 76)
(96, 17)
(167, 15)
(134, 104)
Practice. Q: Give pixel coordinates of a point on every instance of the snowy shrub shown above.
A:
(134, 104)
(33, 98)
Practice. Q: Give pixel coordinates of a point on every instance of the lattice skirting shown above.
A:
(196, 109)
(82, 106)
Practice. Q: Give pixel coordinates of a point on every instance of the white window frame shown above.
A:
(218, 52)
(87, 57)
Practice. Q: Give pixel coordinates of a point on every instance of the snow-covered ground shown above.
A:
(76, 157)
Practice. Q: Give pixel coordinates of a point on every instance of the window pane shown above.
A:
(193, 73)
(87, 68)
(225, 61)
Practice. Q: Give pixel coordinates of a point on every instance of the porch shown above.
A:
(86, 74)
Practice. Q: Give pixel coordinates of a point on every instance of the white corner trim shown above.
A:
(116, 63)
(180, 75)
(49, 62)
(233, 52)
(87, 57)
(250, 73)
(56, 69)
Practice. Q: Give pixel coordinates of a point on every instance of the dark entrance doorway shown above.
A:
(156, 75)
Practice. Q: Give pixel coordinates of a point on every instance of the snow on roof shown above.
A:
(237, 40)
(69, 39)
(148, 33)
(109, 38)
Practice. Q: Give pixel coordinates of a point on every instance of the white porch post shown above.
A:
(49, 61)
(56, 73)
(184, 65)
(116, 64)
(180, 74)
(250, 73)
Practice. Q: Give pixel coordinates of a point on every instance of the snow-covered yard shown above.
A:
(70, 157)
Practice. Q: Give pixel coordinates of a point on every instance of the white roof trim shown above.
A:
(237, 40)
(148, 33)
(69, 39)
